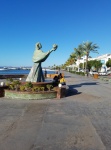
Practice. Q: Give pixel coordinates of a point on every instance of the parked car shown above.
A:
(93, 72)
(102, 73)
(81, 70)
(109, 72)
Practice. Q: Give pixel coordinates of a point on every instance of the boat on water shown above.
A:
(13, 68)
(4, 68)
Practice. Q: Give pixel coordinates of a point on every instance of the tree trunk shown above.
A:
(86, 62)
(78, 65)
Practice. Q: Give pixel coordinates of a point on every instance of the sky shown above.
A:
(66, 23)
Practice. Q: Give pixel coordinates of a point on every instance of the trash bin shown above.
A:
(95, 76)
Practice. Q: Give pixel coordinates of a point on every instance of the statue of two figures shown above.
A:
(36, 73)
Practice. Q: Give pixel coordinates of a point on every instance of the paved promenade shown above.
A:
(80, 121)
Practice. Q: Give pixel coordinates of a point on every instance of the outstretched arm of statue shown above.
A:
(42, 56)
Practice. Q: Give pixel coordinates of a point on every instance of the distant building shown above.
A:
(102, 58)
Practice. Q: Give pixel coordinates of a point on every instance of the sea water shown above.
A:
(21, 71)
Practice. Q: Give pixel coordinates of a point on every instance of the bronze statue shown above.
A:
(36, 73)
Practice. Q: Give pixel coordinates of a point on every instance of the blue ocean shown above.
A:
(7, 71)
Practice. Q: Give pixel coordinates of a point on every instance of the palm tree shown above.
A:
(73, 58)
(54, 66)
(79, 52)
(89, 47)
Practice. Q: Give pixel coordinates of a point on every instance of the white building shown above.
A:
(102, 58)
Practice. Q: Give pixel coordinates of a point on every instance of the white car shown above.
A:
(109, 72)
(81, 70)
(93, 72)
(103, 73)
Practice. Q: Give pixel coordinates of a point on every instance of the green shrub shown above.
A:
(11, 87)
(22, 88)
(49, 86)
(35, 89)
(42, 88)
(29, 85)
(9, 79)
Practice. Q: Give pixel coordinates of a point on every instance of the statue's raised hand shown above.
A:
(54, 47)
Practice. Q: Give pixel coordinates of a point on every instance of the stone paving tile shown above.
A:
(80, 121)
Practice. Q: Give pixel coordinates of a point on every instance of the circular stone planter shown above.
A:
(30, 95)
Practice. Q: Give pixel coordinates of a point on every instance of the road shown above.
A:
(80, 121)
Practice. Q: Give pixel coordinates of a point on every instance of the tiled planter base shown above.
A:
(30, 95)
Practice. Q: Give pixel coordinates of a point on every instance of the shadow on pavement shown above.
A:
(82, 84)
(67, 76)
(72, 91)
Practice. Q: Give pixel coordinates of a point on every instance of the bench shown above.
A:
(53, 75)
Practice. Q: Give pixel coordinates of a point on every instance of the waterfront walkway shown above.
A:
(80, 121)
